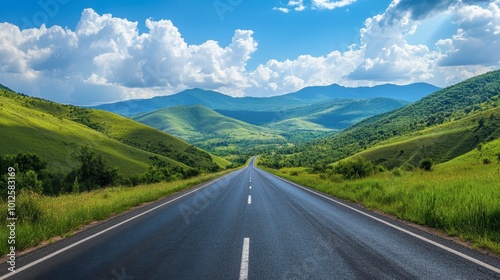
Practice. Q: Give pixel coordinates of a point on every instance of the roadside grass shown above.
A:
(462, 200)
(42, 218)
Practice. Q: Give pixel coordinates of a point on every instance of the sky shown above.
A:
(88, 52)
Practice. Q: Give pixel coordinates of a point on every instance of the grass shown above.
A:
(460, 197)
(40, 219)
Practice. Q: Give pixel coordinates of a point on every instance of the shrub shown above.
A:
(397, 172)
(486, 161)
(29, 209)
(408, 167)
(426, 164)
(354, 169)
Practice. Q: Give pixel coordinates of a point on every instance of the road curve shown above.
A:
(252, 225)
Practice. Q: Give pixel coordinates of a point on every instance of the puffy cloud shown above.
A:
(299, 6)
(305, 70)
(109, 54)
(331, 4)
(106, 58)
(479, 30)
(389, 57)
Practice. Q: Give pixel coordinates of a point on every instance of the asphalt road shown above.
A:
(252, 225)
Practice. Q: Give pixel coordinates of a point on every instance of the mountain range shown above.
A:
(220, 123)
(307, 96)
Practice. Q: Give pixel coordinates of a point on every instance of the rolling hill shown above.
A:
(55, 132)
(442, 143)
(206, 128)
(455, 120)
(334, 114)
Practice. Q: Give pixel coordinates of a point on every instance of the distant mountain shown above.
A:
(410, 93)
(208, 129)
(307, 96)
(443, 125)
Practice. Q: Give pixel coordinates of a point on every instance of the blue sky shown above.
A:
(96, 51)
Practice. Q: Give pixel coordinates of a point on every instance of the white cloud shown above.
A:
(331, 4)
(282, 9)
(299, 6)
(109, 53)
(479, 30)
(106, 58)
(390, 58)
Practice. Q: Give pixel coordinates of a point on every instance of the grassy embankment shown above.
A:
(41, 218)
(460, 197)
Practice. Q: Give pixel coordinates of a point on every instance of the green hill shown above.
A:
(452, 104)
(333, 113)
(208, 129)
(55, 133)
(441, 143)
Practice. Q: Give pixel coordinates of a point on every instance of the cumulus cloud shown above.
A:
(389, 57)
(305, 70)
(299, 6)
(107, 59)
(331, 4)
(108, 53)
(479, 30)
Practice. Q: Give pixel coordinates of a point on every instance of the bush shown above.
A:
(29, 209)
(397, 172)
(486, 161)
(408, 167)
(354, 169)
(426, 164)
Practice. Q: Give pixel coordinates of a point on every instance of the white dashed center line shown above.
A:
(244, 259)
(249, 199)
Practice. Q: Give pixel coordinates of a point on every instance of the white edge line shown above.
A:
(244, 259)
(106, 230)
(467, 257)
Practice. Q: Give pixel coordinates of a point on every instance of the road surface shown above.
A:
(253, 225)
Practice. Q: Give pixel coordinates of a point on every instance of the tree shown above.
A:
(426, 164)
(31, 182)
(94, 172)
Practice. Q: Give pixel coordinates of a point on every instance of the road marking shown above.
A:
(244, 259)
(455, 252)
(249, 199)
(250, 187)
(105, 230)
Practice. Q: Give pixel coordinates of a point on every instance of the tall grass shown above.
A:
(41, 218)
(462, 201)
